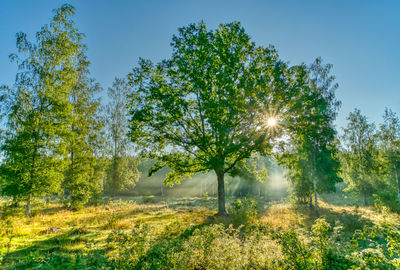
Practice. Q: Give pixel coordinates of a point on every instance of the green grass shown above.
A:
(138, 232)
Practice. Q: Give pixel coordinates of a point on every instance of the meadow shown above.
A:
(149, 232)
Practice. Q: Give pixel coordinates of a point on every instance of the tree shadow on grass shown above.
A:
(349, 221)
(157, 256)
(50, 210)
(51, 250)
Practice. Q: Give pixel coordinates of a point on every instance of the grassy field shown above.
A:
(183, 233)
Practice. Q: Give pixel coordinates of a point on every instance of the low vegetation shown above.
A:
(184, 233)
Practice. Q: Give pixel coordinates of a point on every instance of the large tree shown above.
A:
(206, 108)
(39, 109)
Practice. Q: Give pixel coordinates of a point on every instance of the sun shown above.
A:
(271, 121)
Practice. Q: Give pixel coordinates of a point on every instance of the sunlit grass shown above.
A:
(95, 222)
(55, 229)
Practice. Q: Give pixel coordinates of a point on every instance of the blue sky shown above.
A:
(361, 38)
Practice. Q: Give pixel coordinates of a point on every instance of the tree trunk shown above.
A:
(221, 192)
(113, 185)
(316, 198)
(397, 182)
(72, 203)
(365, 199)
(72, 175)
(29, 207)
(310, 201)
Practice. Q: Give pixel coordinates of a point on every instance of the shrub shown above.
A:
(295, 252)
(320, 231)
(244, 212)
(377, 247)
(112, 221)
(386, 201)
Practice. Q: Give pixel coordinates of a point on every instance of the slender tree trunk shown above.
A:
(113, 185)
(310, 201)
(365, 199)
(397, 182)
(115, 179)
(72, 176)
(28, 207)
(221, 192)
(72, 203)
(316, 198)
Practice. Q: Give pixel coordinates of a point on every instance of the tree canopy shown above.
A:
(358, 155)
(38, 109)
(206, 108)
(311, 156)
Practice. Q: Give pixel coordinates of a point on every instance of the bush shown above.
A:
(377, 247)
(295, 252)
(386, 201)
(244, 212)
(320, 231)
(326, 253)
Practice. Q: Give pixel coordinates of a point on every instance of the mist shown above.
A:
(274, 187)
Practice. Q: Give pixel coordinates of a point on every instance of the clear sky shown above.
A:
(361, 38)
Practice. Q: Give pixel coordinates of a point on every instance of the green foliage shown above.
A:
(38, 109)
(253, 174)
(359, 155)
(57, 260)
(205, 108)
(389, 156)
(296, 254)
(321, 235)
(173, 238)
(7, 233)
(82, 176)
(387, 200)
(195, 247)
(311, 156)
(320, 231)
(377, 247)
(244, 212)
(112, 221)
(122, 172)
